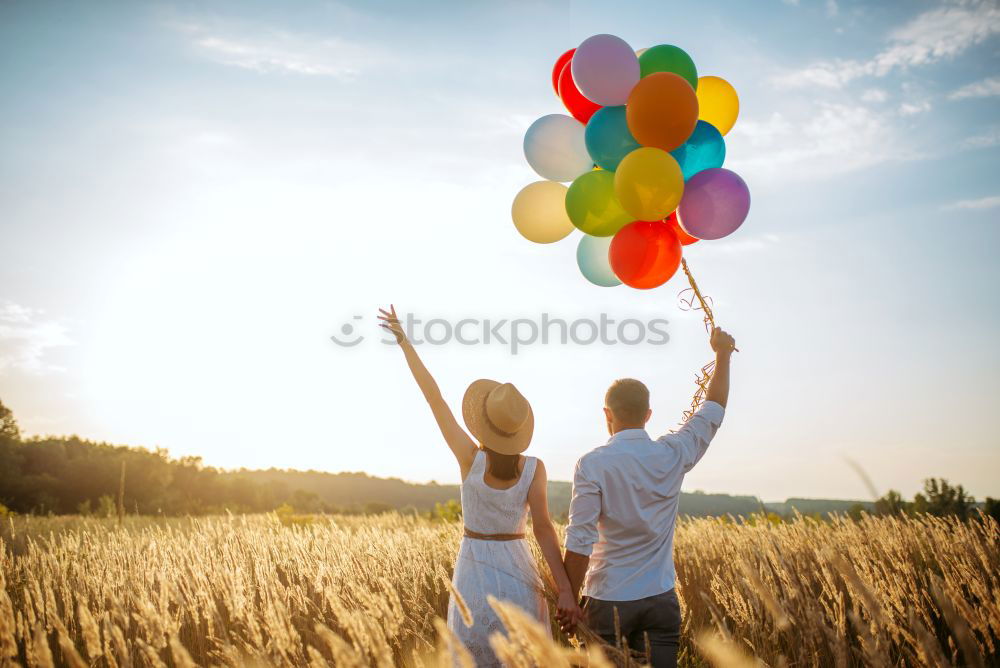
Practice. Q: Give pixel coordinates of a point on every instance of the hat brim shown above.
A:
(474, 414)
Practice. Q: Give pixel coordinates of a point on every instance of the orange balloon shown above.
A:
(662, 111)
(685, 238)
(644, 254)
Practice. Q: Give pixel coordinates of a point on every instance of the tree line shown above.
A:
(939, 497)
(66, 475)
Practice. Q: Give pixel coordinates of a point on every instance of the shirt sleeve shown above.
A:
(584, 511)
(691, 441)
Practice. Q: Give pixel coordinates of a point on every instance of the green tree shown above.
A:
(892, 503)
(450, 511)
(8, 425)
(992, 508)
(940, 498)
(106, 506)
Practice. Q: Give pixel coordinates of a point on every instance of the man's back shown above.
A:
(623, 513)
(624, 507)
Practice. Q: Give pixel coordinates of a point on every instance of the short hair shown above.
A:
(628, 400)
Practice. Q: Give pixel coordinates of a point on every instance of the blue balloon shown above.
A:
(608, 138)
(592, 258)
(704, 149)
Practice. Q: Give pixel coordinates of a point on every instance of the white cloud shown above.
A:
(874, 95)
(832, 8)
(25, 337)
(828, 139)
(913, 108)
(989, 138)
(991, 202)
(740, 246)
(282, 51)
(934, 35)
(989, 87)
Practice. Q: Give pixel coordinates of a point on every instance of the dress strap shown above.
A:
(528, 474)
(476, 470)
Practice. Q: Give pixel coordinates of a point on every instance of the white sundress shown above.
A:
(504, 569)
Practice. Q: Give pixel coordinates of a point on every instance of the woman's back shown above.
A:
(489, 510)
(494, 559)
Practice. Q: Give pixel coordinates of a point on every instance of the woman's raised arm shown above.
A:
(457, 439)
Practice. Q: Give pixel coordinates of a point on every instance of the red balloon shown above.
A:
(581, 108)
(685, 238)
(645, 254)
(557, 70)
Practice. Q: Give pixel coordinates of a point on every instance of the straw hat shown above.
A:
(498, 416)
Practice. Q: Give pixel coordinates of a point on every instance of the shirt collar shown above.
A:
(628, 435)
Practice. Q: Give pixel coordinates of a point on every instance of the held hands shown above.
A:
(568, 612)
(722, 342)
(391, 323)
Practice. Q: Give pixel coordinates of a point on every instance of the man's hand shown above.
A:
(568, 612)
(576, 568)
(718, 388)
(722, 342)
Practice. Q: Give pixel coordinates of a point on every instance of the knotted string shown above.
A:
(687, 303)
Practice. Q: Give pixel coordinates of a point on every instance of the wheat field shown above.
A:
(372, 591)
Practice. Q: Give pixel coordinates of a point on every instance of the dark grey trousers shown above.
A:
(657, 618)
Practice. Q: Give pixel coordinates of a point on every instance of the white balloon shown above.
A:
(605, 69)
(555, 148)
(592, 258)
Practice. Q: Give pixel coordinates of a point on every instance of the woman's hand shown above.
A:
(568, 612)
(391, 323)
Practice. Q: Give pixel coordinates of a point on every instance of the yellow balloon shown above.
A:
(539, 212)
(718, 103)
(649, 183)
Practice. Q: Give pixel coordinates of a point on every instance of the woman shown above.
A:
(499, 487)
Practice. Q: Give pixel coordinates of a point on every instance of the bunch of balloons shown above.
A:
(642, 150)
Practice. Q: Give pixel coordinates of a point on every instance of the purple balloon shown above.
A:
(715, 203)
(605, 69)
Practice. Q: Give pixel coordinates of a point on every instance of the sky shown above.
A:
(194, 197)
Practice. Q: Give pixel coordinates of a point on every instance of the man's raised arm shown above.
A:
(718, 388)
(692, 439)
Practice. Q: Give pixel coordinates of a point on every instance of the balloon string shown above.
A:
(687, 303)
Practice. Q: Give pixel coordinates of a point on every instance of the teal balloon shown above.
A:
(592, 258)
(704, 149)
(608, 138)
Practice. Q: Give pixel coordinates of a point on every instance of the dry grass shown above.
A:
(371, 591)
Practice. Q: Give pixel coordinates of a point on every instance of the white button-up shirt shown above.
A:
(624, 506)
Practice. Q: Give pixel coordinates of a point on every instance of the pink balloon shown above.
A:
(715, 203)
(605, 69)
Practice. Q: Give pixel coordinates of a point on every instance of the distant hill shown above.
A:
(358, 490)
(821, 506)
(345, 490)
(67, 474)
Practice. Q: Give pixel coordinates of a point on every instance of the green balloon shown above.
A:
(592, 205)
(668, 58)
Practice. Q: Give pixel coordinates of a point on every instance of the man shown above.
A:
(623, 513)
